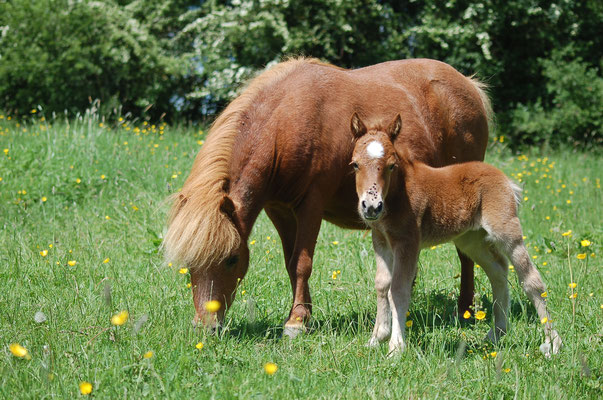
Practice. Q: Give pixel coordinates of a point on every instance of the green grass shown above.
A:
(78, 343)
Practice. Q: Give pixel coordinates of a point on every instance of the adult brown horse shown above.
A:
(284, 146)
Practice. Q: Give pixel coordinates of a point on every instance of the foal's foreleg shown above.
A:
(403, 274)
(532, 284)
(383, 279)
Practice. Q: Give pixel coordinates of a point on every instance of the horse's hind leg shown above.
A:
(474, 244)
(465, 301)
(383, 279)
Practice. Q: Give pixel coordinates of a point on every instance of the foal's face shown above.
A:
(374, 160)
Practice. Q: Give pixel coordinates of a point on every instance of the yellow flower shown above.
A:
(148, 354)
(107, 217)
(174, 176)
(567, 233)
(334, 275)
(199, 345)
(44, 199)
(120, 318)
(252, 242)
(102, 176)
(34, 111)
(106, 260)
(581, 256)
(19, 351)
(409, 323)
(44, 253)
(85, 388)
(585, 243)
(213, 306)
(467, 314)
(183, 270)
(572, 285)
(573, 296)
(507, 370)
(433, 247)
(270, 368)
(200, 142)
(134, 208)
(335, 242)
(480, 315)
(493, 354)
(78, 180)
(568, 201)
(71, 263)
(188, 285)
(544, 320)
(544, 295)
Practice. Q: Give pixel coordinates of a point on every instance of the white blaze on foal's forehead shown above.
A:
(375, 149)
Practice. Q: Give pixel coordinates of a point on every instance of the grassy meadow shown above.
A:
(81, 217)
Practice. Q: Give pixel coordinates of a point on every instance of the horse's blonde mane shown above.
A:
(199, 234)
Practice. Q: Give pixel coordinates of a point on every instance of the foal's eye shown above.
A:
(232, 261)
(355, 165)
(391, 167)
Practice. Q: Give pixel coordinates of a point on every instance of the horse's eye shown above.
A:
(232, 261)
(392, 166)
(355, 165)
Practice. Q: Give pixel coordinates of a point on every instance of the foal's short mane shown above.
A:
(199, 234)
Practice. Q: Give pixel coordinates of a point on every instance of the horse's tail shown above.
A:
(516, 191)
(482, 90)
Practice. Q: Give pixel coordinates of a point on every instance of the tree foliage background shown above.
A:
(185, 59)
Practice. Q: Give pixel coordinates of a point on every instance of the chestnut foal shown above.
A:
(409, 206)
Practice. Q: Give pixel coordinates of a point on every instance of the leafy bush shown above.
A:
(60, 54)
(571, 111)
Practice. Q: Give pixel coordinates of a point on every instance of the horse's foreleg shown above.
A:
(465, 300)
(383, 279)
(309, 217)
(286, 225)
(403, 274)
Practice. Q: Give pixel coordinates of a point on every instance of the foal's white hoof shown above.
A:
(373, 342)
(548, 348)
(396, 347)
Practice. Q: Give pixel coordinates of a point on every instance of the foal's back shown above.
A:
(450, 200)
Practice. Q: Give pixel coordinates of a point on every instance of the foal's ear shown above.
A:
(394, 128)
(227, 206)
(358, 128)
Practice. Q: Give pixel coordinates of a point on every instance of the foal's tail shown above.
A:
(516, 191)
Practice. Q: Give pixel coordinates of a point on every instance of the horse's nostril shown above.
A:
(363, 205)
(379, 206)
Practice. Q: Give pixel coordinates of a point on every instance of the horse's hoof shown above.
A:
(292, 331)
(373, 342)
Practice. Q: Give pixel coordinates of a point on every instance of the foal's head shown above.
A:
(374, 160)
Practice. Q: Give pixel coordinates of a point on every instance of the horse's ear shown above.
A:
(358, 128)
(227, 206)
(394, 128)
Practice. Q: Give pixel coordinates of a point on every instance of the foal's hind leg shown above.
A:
(495, 266)
(532, 284)
(383, 279)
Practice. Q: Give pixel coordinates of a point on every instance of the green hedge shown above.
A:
(187, 59)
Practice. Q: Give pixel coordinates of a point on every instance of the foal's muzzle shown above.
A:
(371, 211)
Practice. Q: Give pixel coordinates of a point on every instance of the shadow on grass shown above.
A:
(430, 312)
